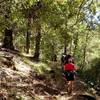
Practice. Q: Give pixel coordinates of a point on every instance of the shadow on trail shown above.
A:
(82, 97)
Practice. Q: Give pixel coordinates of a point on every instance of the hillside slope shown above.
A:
(20, 81)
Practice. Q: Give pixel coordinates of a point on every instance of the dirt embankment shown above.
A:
(18, 81)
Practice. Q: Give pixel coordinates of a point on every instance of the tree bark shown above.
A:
(28, 36)
(27, 42)
(75, 43)
(65, 46)
(85, 51)
(53, 56)
(8, 39)
(37, 43)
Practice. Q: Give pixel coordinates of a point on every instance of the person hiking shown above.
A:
(69, 71)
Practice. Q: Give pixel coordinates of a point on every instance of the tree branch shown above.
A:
(80, 7)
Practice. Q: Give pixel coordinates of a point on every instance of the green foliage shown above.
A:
(95, 69)
(62, 22)
(49, 40)
(92, 74)
(39, 67)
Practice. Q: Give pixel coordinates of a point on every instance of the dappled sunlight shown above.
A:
(26, 83)
(21, 66)
(38, 66)
(39, 39)
(63, 97)
(41, 67)
(11, 74)
(8, 71)
(27, 55)
(81, 82)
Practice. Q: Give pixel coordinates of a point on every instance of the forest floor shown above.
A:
(19, 80)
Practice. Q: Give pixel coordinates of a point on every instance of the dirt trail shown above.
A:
(18, 81)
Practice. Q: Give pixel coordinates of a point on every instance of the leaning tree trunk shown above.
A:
(8, 39)
(37, 43)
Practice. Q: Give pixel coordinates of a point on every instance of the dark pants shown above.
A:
(69, 75)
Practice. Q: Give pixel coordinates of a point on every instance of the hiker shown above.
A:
(69, 71)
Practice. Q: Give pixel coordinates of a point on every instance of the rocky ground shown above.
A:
(19, 81)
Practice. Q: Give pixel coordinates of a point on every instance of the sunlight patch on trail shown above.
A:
(22, 66)
(64, 97)
(49, 97)
(12, 74)
(38, 66)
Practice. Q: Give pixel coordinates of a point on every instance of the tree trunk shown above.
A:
(65, 46)
(76, 44)
(53, 56)
(37, 43)
(28, 36)
(85, 51)
(27, 42)
(8, 39)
